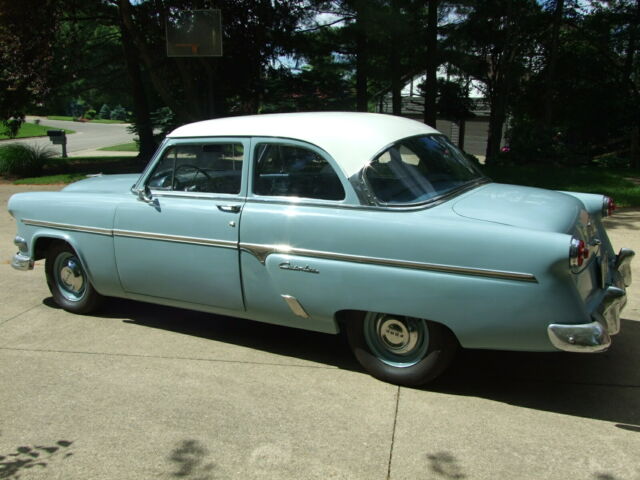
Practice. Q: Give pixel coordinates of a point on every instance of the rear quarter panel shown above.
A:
(482, 312)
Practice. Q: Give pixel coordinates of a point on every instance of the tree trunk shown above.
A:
(140, 104)
(431, 83)
(394, 59)
(362, 97)
(549, 99)
(396, 82)
(496, 125)
(159, 83)
(635, 147)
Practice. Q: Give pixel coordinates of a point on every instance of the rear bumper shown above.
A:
(596, 336)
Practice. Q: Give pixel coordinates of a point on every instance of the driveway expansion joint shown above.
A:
(162, 357)
(19, 314)
(393, 433)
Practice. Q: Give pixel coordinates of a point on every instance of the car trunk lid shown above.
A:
(524, 207)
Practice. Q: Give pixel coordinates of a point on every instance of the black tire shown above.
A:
(400, 350)
(68, 281)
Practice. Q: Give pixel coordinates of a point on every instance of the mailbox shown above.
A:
(58, 137)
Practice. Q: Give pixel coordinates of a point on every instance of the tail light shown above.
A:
(578, 252)
(608, 206)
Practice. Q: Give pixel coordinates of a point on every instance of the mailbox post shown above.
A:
(58, 137)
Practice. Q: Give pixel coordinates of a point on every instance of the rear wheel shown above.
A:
(401, 350)
(68, 282)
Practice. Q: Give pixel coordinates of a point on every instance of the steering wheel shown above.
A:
(189, 185)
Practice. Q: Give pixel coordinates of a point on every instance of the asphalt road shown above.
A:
(88, 136)
(146, 392)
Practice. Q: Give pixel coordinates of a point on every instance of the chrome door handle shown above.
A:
(229, 208)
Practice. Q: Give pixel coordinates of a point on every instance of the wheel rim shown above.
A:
(69, 276)
(397, 341)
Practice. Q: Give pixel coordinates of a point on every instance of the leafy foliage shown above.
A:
(27, 34)
(105, 112)
(118, 113)
(22, 160)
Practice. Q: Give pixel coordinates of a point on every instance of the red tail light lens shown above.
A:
(608, 206)
(578, 253)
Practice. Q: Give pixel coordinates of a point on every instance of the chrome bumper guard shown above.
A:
(22, 262)
(596, 336)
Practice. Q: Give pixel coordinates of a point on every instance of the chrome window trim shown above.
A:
(292, 142)
(197, 195)
(169, 142)
(261, 252)
(361, 179)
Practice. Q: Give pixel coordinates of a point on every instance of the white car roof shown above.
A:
(351, 138)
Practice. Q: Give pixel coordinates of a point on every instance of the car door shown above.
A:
(293, 208)
(180, 240)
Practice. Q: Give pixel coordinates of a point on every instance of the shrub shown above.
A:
(12, 126)
(90, 114)
(22, 160)
(119, 113)
(75, 107)
(105, 112)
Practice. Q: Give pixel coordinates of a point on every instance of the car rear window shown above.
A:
(419, 169)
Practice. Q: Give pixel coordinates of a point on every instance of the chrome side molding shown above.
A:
(261, 252)
(295, 306)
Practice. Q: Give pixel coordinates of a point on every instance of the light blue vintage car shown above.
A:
(365, 223)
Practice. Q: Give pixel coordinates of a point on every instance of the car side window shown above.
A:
(292, 171)
(209, 168)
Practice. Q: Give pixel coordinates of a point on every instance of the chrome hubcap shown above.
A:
(69, 276)
(397, 336)
(396, 340)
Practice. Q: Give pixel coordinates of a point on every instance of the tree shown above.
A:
(26, 54)
(499, 36)
(255, 34)
(431, 84)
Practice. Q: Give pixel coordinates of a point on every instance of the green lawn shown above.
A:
(71, 119)
(71, 169)
(28, 130)
(125, 147)
(622, 185)
(51, 179)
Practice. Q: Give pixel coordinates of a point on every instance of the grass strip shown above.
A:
(124, 147)
(31, 130)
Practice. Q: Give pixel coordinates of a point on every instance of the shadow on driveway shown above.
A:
(599, 386)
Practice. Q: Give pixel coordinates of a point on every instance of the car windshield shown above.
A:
(419, 169)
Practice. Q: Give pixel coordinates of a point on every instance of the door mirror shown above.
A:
(144, 194)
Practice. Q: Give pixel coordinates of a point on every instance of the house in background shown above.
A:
(476, 129)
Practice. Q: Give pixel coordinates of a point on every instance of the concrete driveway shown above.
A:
(147, 392)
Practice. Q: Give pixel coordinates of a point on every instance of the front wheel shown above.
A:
(68, 282)
(398, 349)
